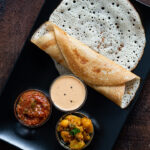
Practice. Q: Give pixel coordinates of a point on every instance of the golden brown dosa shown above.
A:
(97, 71)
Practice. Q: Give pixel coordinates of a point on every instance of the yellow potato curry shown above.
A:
(75, 131)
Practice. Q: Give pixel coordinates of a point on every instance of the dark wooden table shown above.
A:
(16, 19)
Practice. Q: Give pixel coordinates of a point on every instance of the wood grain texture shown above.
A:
(16, 19)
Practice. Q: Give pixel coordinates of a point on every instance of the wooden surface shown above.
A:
(16, 19)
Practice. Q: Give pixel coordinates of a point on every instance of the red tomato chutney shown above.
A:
(32, 108)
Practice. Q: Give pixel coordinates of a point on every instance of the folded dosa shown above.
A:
(99, 72)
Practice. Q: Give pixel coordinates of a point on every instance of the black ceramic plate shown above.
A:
(144, 2)
(35, 69)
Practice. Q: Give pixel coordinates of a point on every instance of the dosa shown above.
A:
(102, 74)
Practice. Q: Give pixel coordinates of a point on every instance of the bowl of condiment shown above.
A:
(32, 108)
(68, 93)
(74, 131)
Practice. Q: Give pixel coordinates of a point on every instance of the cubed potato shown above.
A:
(66, 136)
(64, 123)
(86, 136)
(77, 145)
(74, 119)
(79, 136)
(87, 124)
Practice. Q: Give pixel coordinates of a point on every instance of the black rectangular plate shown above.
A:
(35, 69)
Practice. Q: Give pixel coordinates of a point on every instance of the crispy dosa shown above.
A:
(111, 27)
(99, 72)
